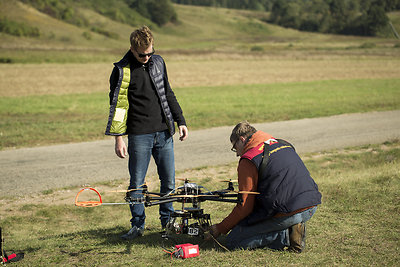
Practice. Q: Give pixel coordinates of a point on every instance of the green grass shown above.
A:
(356, 225)
(216, 106)
(358, 222)
(50, 119)
(38, 120)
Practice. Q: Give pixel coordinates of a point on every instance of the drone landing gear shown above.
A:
(190, 221)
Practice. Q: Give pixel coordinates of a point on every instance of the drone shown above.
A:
(190, 220)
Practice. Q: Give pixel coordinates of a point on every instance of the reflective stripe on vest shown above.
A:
(118, 124)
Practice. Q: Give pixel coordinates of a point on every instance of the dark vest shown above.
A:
(116, 124)
(286, 184)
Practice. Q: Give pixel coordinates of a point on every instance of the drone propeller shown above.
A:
(124, 191)
(230, 180)
(129, 190)
(247, 192)
(183, 179)
(239, 192)
(153, 194)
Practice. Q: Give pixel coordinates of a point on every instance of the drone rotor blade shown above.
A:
(128, 190)
(153, 195)
(227, 181)
(123, 191)
(184, 196)
(239, 192)
(248, 192)
(182, 179)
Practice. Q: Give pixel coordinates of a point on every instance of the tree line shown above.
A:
(355, 17)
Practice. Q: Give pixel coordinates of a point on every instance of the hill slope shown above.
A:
(198, 29)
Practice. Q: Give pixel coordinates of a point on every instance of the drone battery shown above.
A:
(188, 250)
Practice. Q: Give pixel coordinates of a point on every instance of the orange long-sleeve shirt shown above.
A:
(247, 179)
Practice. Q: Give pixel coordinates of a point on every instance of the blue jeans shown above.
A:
(141, 147)
(272, 233)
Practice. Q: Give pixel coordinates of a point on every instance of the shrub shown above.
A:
(5, 60)
(18, 28)
(87, 35)
(105, 33)
(368, 45)
(257, 48)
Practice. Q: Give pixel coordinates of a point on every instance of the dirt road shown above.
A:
(33, 170)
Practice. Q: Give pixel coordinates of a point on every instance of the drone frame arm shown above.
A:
(152, 201)
(149, 203)
(222, 198)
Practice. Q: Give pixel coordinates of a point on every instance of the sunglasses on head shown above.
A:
(147, 55)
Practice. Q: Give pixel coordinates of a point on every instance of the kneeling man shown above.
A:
(287, 199)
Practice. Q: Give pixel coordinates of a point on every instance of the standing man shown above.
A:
(143, 106)
(288, 196)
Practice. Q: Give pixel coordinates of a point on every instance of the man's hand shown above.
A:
(120, 147)
(183, 132)
(213, 232)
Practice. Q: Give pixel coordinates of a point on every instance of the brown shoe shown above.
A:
(297, 237)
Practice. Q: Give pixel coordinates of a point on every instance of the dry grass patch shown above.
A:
(203, 70)
(53, 79)
(266, 71)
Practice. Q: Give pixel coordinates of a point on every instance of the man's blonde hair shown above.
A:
(142, 38)
(242, 129)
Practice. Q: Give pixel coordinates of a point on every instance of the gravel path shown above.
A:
(32, 170)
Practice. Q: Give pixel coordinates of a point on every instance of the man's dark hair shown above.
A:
(242, 129)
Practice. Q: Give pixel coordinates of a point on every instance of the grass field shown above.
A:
(208, 69)
(224, 66)
(61, 103)
(356, 225)
(50, 119)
